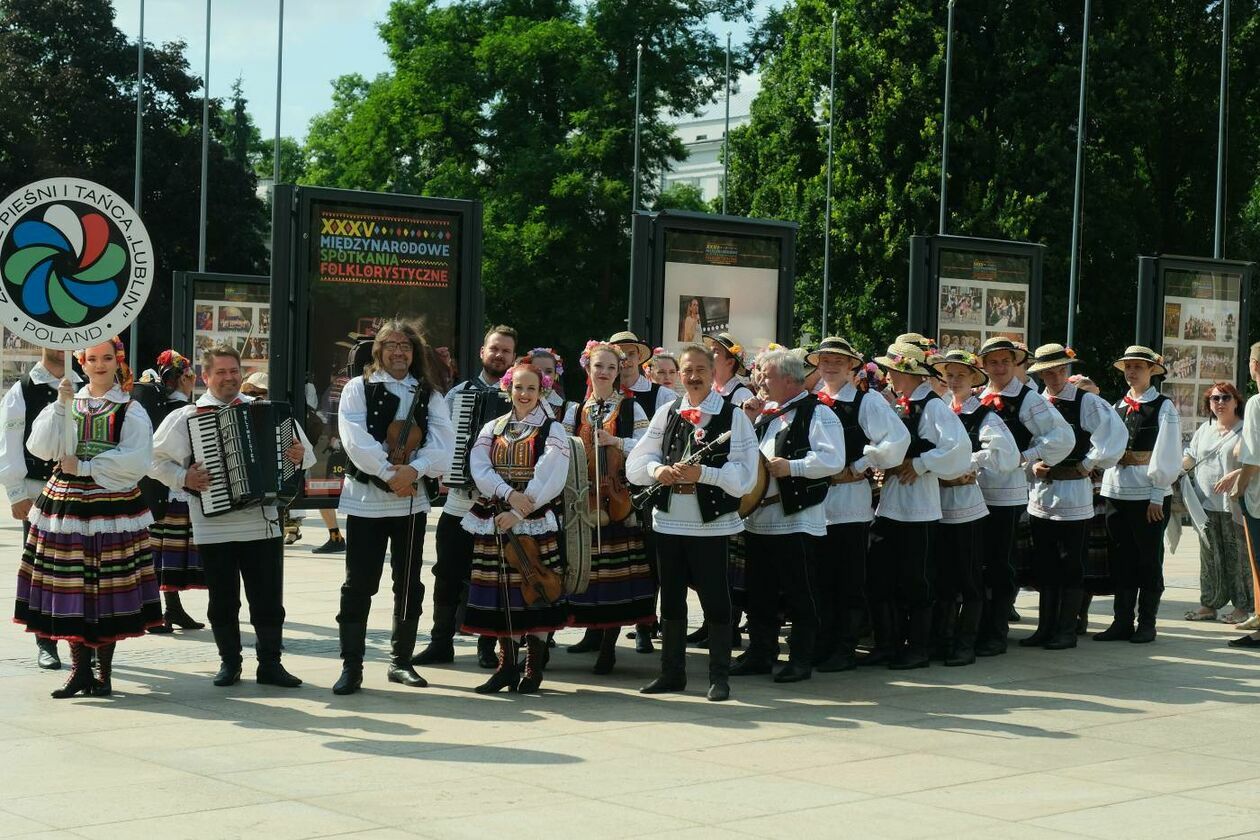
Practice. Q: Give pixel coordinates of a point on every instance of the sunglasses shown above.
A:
(1220, 398)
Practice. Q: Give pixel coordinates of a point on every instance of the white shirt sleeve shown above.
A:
(1052, 436)
(364, 451)
(483, 475)
(1165, 463)
(998, 451)
(172, 449)
(888, 435)
(1108, 436)
(12, 453)
(826, 443)
(47, 438)
(951, 456)
(648, 453)
(119, 469)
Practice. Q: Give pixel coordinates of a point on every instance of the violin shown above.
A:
(609, 495)
(538, 583)
(404, 437)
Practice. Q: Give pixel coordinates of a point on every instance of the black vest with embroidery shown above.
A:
(1009, 412)
(792, 443)
(973, 422)
(918, 445)
(1143, 424)
(647, 399)
(713, 500)
(855, 437)
(37, 398)
(382, 409)
(1071, 411)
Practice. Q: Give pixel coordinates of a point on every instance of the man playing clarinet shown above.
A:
(241, 545)
(382, 496)
(697, 511)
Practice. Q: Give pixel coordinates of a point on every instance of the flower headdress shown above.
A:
(172, 360)
(125, 379)
(549, 353)
(593, 346)
(505, 382)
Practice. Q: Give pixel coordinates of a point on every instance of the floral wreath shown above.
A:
(125, 379)
(552, 354)
(545, 383)
(901, 363)
(1069, 352)
(172, 360)
(595, 344)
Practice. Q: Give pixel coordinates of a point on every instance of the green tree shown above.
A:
(683, 197)
(68, 109)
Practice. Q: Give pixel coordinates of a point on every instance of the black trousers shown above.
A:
(259, 564)
(1060, 551)
(1138, 559)
(366, 542)
(999, 567)
(454, 562)
(698, 562)
(899, 569)
(960, 560)
(840, 570)
(780, 564)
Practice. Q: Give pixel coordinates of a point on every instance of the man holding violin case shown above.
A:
(702, 479)
(396, 430)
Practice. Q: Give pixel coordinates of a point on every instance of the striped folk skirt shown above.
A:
(485, 614)
(174, 552)
(622, 588)
(87, 568)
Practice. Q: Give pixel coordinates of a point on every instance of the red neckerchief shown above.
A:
(1133, 405)
(993, 401)
(691, 415)
(826, 399)
(904, 403)
(1053, 399)
(957, 408)
(627, 393)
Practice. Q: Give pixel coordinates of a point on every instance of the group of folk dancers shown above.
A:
(894, 508)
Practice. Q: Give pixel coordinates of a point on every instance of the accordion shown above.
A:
(242, 447)
(470, 410)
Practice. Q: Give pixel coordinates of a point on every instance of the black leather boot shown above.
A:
(1064, 635)
(719, 662)
(104, 686)
(486, 652)
(506, 675)
(995, 627)
(643, 638)
(1047, 617)
(1121, 629)
(800, 664)
(673, 675)
(761, 654)
(1082, 619)
(227, 638)
(964, 652)
(353, 645)
(402, 644)
(177, 616)
(1147, 608)
(607, 652)
(270, 671)
(944, 617)
(844, 655)
(589, 643)
(80, 678)
(535, 662)
(884, 627)
(700, 638)
(47, 657)
(919, 637)
(441, 647)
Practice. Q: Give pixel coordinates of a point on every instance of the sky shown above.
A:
(323, 39)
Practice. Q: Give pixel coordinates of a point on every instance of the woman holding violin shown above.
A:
(396, 431)
(622, 589)
(519, 464)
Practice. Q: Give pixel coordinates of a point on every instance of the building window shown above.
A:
(700, 137)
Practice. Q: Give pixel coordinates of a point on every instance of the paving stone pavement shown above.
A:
(1106, 741)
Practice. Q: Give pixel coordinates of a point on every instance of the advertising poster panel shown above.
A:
(236, 314)
(366, 265)
(981, 295)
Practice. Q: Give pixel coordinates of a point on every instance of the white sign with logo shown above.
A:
(76, 263)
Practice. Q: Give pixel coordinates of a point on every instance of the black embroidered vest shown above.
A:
(792, 443)
(1009, 412)
(1143, 424)
(713, 500)
(918, 445)
(37, 398)
(855, 438)
(382, 408)
(1071, 411)
(972, 423)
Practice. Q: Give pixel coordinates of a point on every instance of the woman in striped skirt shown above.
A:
(87, 570)
(622, 588)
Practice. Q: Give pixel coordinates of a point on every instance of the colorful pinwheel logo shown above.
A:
(65, 264)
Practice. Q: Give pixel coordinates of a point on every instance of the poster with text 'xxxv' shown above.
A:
(720, 283)
(368, 266)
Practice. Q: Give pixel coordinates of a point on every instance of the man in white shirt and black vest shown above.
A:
(242, 545)
(22, 474)
(396, 433)
(1041, 435)
(874, 439)
(803, 446)
(454, 544)
(702, 481)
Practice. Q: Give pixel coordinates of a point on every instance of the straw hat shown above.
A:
(803, 354)
(1001, 342)
(835, 346)
(257, 379)
(905, 358)
(731, 345)
(1052, 355)
(964, 358)
(627, 337)
(1136, 352)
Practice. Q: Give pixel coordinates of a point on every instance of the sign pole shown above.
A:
(1218, 239)
(275, 152)
(205, 150)
(1075, 256)
(831, 130)
(726, 132)
(634, 184)
(133, 341)
(949, 65)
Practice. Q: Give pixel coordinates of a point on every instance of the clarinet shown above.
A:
(645, 497)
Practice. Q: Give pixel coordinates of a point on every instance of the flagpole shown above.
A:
(1218, 239)
(134, 337)
(205, 150)
(831, 129)
(634, 186)
(275, 153)
(726, 132)
(1075, 256)
(949, 67)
